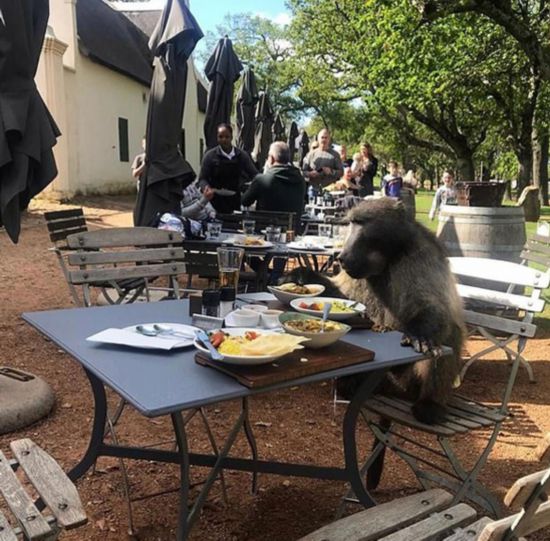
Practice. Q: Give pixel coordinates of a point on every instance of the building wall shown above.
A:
(95, 97)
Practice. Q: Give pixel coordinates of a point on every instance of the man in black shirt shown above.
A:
(226, 167)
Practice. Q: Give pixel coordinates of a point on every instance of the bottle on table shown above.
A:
(211, 302)
(227, 300)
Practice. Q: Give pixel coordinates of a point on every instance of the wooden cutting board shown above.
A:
(300, 363)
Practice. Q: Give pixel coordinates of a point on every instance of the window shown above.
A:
(182, 143)
(123, 145)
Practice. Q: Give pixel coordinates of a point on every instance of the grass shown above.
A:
(423, 204)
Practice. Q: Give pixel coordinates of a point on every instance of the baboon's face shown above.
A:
(361, 257)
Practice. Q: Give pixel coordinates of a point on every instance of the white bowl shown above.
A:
(245, 318)
(270, 318)
(285, 296)
(316, 339)
(336, 316)
(255, 307)
(241, 359)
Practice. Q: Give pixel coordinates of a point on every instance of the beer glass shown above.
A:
(229, 265)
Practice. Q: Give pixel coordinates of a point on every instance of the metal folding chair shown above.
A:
(500, 317)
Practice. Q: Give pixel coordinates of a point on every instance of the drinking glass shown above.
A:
(249, 226)
(325, 230)
(213, 229)
(229, 265)
(273, 233)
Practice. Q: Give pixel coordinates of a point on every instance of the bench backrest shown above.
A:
(537, 250)
(62, 223)
(109, 256)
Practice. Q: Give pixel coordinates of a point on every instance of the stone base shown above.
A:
(22, 402)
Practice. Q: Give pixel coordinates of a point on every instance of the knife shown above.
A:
(202, 337)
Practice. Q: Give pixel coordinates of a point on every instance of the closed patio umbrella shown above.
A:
(263, 134)
(27, 130)
(279, 129)
(293, 134)
(167, 172)
(303, 147)
(222, 70)
(247, 98)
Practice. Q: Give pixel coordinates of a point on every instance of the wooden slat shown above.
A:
(537, 244)
(476, 408)
(470, 532)
(61, 214)
(497, 270)
(543, 449)
(500, 324)
(62, 235)
(132, 256)
(435, 526)
(6, 532)
(65, 224)
(521, 490)
(510, 300)
(405, 418)
(54, 487)
(406, 407)
(535, 258)
(377, 521)
(476, 420)
(495, 531)
(28, 516)
(116, 274)
(123, 236)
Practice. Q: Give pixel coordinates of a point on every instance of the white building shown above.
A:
(94, 75)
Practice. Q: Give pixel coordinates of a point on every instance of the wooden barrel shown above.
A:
(492, 232)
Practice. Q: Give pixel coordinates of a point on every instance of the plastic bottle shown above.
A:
(311, 195)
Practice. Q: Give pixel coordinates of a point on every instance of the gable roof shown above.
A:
(109, 38)
(144, 20)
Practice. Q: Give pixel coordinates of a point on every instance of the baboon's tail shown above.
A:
(374, 472)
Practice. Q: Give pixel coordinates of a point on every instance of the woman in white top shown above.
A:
(445, 195)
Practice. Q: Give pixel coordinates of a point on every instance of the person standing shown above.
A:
(365, 169)
(445, 194)
(226, 167)
(322, 165)
(138, 165)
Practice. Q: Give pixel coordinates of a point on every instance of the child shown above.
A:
(392, 182)
(445, 195)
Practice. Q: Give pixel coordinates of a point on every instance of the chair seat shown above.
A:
(460, 416)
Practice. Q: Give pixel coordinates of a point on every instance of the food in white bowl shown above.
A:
(341, 309)
(251, 346)
(312, 328)
(289, 291)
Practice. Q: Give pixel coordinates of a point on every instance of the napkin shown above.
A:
(125, 337)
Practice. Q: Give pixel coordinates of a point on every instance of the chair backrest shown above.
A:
(109, 256)
(201, 260)
(62, 223)
(501, 272)
(529, 497)
(230, 222)
(537, 250)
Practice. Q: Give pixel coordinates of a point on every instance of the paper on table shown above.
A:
(128, 338)
(262, 296)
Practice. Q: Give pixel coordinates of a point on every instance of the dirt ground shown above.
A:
(295, 424)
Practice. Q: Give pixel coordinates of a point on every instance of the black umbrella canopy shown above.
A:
(263, 135)
(222, 70)
(167, 172)
(27, 131)
(279, 129)
(293, 134)
(245, 106)
(303, 146)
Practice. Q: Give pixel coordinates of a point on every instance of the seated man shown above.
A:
(280, 189)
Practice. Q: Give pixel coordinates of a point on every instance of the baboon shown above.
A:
(398, 269)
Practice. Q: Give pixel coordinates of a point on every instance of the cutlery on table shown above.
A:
(202, 337)
(166, 329)
(326, 311)
(153, 331)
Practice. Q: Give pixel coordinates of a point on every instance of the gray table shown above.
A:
(167, 383)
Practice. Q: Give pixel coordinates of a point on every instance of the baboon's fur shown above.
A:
(398, 269)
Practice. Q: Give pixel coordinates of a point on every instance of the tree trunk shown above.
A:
(465, 167)
(543, 174)
(525, 170)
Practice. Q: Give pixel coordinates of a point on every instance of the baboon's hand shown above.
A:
(422, 345)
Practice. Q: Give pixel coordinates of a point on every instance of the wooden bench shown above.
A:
(54, 489)
(428, 516)
(537, 250)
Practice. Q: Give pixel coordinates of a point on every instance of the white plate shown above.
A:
(305, 247)
(242, 359)
(287, 296)
(224, 192)
(178, 327)
(338, 316)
